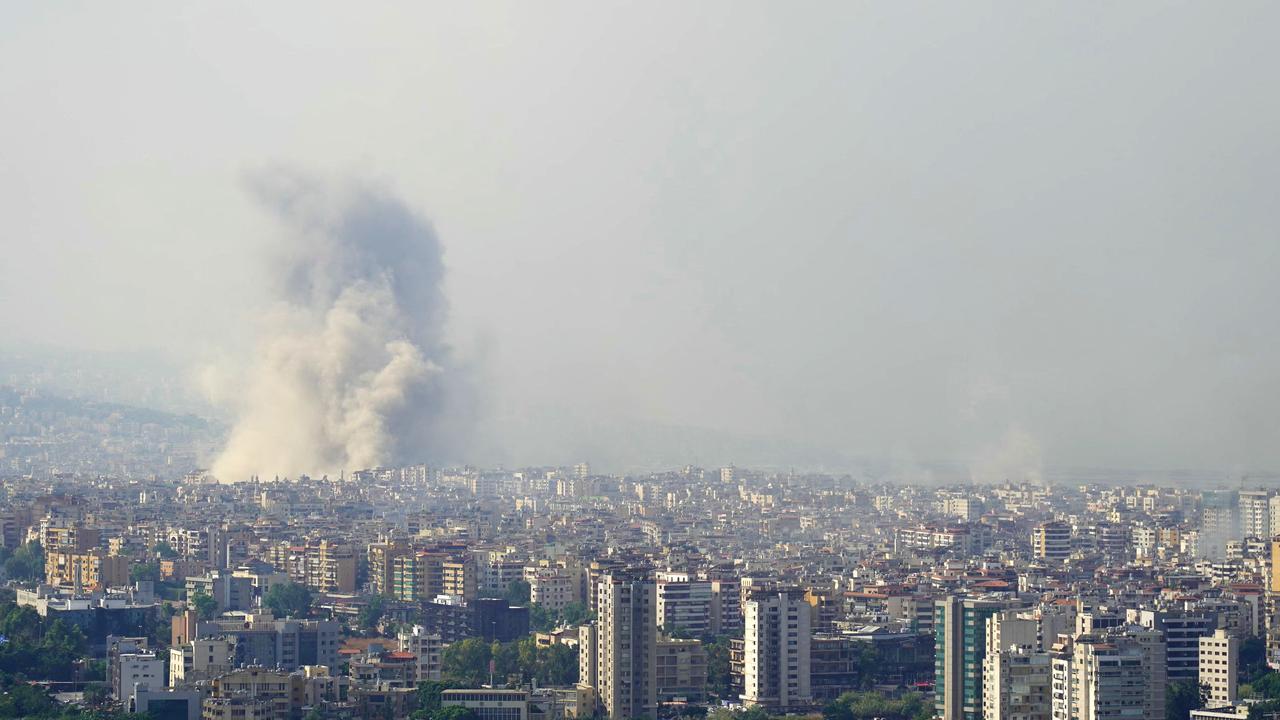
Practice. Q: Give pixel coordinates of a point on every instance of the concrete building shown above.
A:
(1051, 542)
(1255, 513)
(959, 628)
(91, 570)
(168, 703)
(237, 707)
(497, 574)
(425, 647)
(1182, 630)
(381, 557)
(330, 567)
(684, 603)
(1016, 685)
(1219, 665)
(618, 655)
(681, 670)
(286, 644)
(230, 592)
(553, 588)
(199, 660)
(458, 577)
(1118, 674)
(776, 651)
(273, 694)
(726, 605)
(67, 537)
(489, 704)
(131, 664)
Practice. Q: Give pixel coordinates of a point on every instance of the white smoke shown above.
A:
(1016, 457)
(350, 371)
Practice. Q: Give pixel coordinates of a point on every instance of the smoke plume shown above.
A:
(1015, 458)
(351, 370)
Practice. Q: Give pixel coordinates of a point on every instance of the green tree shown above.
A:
(1267, 685)
(540, 618)
(205, 606)
(96, 694)
(164, 550)
(719, 680)
(1180, 698)
(575, 614)
(557, 665)
(676, 632)
(754, 712)
(466, 663)
(454, 712)
(429, 694)
(288, 600)
(371, 613)
(869, 705)
(1253, 658)
(145, 571)
(26, 563)
(518, 593)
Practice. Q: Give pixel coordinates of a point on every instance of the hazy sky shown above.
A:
(987, 234)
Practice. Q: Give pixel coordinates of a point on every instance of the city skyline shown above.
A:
(1004, 238)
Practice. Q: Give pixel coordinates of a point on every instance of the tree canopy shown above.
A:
(288, 600)
(466, 663)
(869, 705)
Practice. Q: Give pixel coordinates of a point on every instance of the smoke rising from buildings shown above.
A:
(351, 370)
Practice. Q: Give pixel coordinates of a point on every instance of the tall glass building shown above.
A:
(960, 646)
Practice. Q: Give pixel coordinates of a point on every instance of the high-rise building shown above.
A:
(1219, 663)
(726, 603)
(198, 660)
(1219, 522)
(68, 537)
(1255, 513)
(777, 642)
(1051, 541)
(382, 556)
(426, 648)
(131, 663)
(1273, 515)
(1118, 674)
(92, 570)
(681, 670)
(1015, 671)
(1182, 630)
(330, 567)
(618, 654)
(1016, 685)
(553, 588)
(959, 631)
(458, 577)
(1273, 583)
(684, 603)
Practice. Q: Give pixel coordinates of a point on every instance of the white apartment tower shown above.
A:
(1114, 675)
(776, 656)
(426, 648)
(1219, 663)
(1015, 670)
(1255, 513)
(1016, 685)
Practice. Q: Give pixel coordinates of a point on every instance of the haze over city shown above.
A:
(599, 360)
(995, 237)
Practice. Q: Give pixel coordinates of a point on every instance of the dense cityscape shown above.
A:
(551, 592)
(616, 360)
